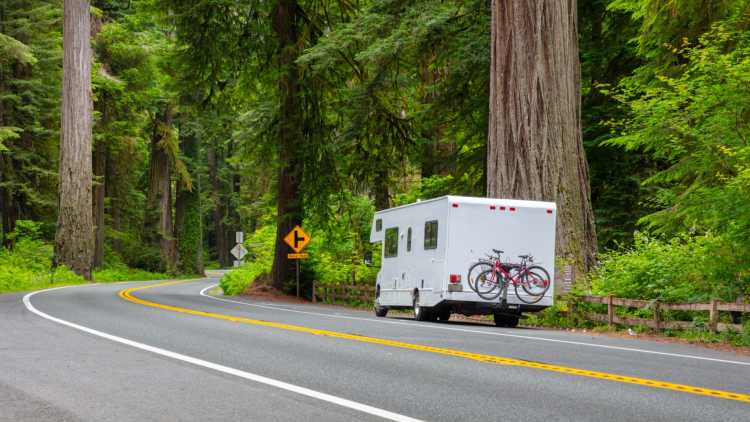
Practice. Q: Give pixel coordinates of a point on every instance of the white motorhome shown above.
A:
(428, 247)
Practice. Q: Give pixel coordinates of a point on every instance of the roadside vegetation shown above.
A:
(28, 265)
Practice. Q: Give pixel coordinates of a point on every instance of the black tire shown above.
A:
(508, 321)
(381, 311)
(444, 314)
(489, 285)
(421, 313)
(474, 271)
(534, 276)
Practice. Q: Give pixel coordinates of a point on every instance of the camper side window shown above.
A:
(379, 224)
(390, 247)
(408, 240)
(430, 234)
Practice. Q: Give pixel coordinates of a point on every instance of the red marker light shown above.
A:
(455, 205)
(512, 209)
(502, 208)
(549, 211)
(492, 207)
(455, 278)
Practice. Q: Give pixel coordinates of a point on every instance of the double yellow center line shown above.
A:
(492, 359)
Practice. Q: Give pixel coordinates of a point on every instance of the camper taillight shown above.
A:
(455, 278)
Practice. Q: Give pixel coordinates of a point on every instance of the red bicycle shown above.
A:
(533, 280)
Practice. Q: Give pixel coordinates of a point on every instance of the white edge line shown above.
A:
(439, 327)
(221, 368)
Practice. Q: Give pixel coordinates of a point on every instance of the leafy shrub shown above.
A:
(238, 280)
(260, 248)
(683, 269)
(28, 266)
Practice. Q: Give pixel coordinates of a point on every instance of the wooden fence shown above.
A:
(658, 322)
(332, 293)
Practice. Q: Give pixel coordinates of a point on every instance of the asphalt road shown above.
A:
(175, 352)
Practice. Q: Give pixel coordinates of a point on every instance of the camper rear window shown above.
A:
(390, 248)
(430, 234)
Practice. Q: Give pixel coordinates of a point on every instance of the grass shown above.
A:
(28, 267)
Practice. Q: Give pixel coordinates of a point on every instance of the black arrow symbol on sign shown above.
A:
(297, 239)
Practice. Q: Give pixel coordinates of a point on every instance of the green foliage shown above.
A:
(238, 280)
(338, 245)
(687, 268)
(30, 80)
(260, 247)
(702, 335)
(125, 273)
(28, 265)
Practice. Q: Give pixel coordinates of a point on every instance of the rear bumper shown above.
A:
(487, 308)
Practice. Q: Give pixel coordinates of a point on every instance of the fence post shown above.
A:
(657, 318)
(314, 300)
(610, 311)
(713, 316)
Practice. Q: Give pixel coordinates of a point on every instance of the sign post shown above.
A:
(239, 250)
(297, 239)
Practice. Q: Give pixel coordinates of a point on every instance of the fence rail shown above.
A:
(658, 322)
(332, 293)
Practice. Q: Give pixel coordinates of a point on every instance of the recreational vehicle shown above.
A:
(428, 248)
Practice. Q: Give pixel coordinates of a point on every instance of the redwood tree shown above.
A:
(286, 22)
(158, 224)
(74, 241)
(534, 148)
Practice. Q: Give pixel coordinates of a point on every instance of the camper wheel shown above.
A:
(505, 320)
(381, 311)
(421, 313)
(444, 314)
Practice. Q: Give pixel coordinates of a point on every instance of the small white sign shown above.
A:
(239, 237)
(236, 263)
(239, 251)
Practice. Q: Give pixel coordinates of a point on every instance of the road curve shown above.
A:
(173, 352)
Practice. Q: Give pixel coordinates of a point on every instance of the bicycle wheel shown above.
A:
(474, 271)
(533, 284)
(489, 284)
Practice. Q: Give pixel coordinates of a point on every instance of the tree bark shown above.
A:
(217, 214)
(74, 241)
(188, 223)
(382, 193)
(100, 166)
(286, 22)
(158, 219)
(535, 150)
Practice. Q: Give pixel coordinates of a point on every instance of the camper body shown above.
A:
(428, 247)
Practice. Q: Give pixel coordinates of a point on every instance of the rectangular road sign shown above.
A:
(239, 237)
(298, 255)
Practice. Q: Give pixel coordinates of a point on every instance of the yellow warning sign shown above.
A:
(297, 239)
(298, 255)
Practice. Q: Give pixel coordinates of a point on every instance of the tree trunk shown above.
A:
(113, 192)
(158, 219)
(217, 214)
(382, 194)
(286, 21)
(74, 242)
(188, 222)
(534, 148)
(100, 166)
(8, 214)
